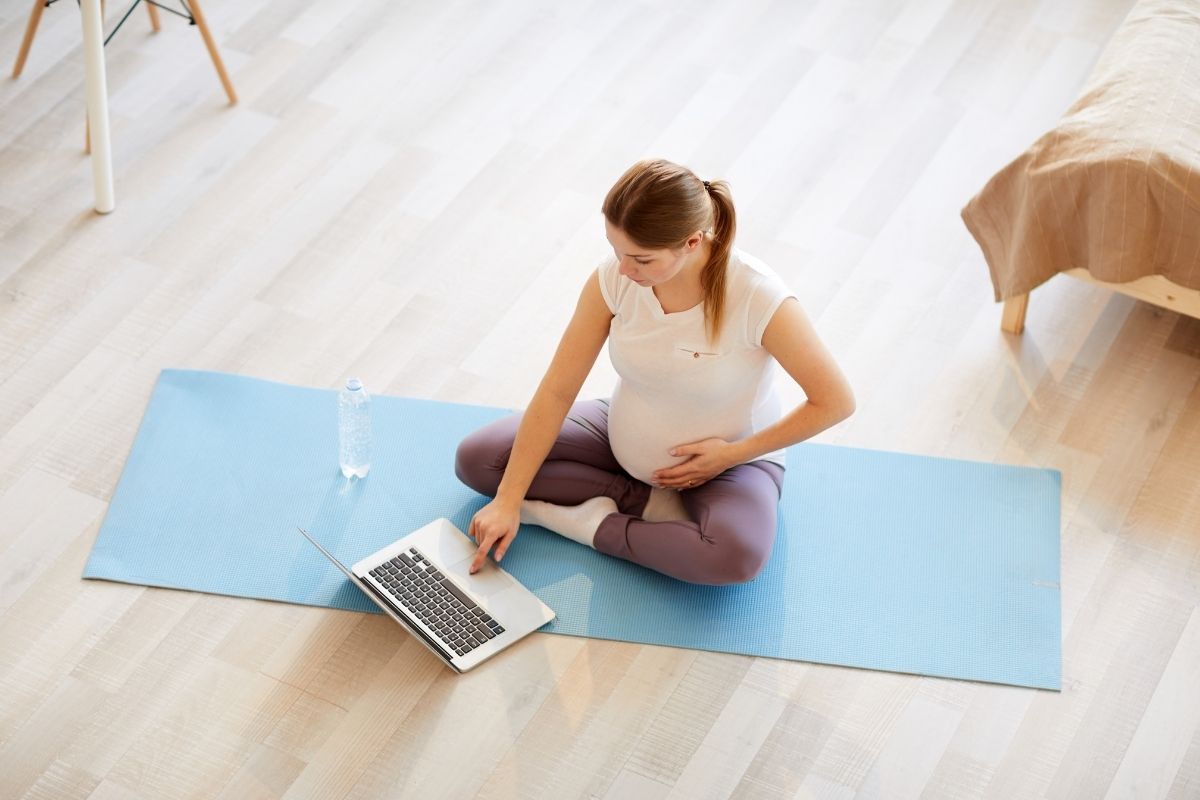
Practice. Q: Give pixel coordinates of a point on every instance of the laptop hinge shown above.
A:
(416, 630)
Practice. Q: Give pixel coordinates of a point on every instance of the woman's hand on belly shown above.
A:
(708, 459)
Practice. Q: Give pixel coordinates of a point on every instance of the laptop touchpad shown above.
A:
(489, 580)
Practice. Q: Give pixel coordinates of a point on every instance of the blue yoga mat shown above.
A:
(882, 560)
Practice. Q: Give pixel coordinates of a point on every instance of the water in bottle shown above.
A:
(354, 429)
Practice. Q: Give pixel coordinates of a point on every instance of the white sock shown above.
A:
(574, 522)
(664, 505)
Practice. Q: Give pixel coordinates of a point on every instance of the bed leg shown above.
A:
(1012, 320)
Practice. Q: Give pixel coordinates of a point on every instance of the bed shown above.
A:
(1111, 195)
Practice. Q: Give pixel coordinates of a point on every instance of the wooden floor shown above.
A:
(410, 191)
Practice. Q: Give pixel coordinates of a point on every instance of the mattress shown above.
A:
(1114, 187)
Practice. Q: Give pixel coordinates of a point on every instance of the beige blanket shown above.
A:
(1115, 186)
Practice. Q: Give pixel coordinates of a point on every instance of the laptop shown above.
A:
(423, 581)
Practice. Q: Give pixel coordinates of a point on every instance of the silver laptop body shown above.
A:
(423, 581)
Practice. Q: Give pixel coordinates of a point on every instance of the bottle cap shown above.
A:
(354, 384)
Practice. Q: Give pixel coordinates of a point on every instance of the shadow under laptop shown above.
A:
(311, 574)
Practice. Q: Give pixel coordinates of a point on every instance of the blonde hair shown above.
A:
(659, 204)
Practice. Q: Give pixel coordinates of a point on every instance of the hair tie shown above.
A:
(707, 186)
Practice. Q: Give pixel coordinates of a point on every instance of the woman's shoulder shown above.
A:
(749, 273)
(612, 285)
(756, 292)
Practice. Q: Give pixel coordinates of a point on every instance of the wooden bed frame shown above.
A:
(1152, 288)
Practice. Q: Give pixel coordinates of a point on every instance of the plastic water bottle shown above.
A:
(354, 429)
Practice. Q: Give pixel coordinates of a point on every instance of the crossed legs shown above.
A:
(727, 539)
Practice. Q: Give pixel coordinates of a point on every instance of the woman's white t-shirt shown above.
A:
(674, 387)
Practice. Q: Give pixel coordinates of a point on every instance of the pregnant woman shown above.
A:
(682, 468)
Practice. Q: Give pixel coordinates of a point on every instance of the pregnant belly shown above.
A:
(642, 433)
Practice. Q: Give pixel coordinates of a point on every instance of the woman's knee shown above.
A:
(736, 557)
(479, 461)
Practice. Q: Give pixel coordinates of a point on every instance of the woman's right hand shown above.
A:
(494, 525)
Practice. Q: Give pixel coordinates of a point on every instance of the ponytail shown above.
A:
(712, 276)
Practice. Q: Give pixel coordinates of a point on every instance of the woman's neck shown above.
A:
(685, 288)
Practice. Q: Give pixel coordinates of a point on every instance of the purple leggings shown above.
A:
(735, 512)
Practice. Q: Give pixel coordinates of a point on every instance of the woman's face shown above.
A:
(649, 267)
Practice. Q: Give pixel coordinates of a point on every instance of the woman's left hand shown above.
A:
(709, 458)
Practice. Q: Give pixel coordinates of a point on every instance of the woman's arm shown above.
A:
(792, 340)
(543, 419)
(496, 524)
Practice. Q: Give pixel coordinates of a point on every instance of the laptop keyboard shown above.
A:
(434, 599)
